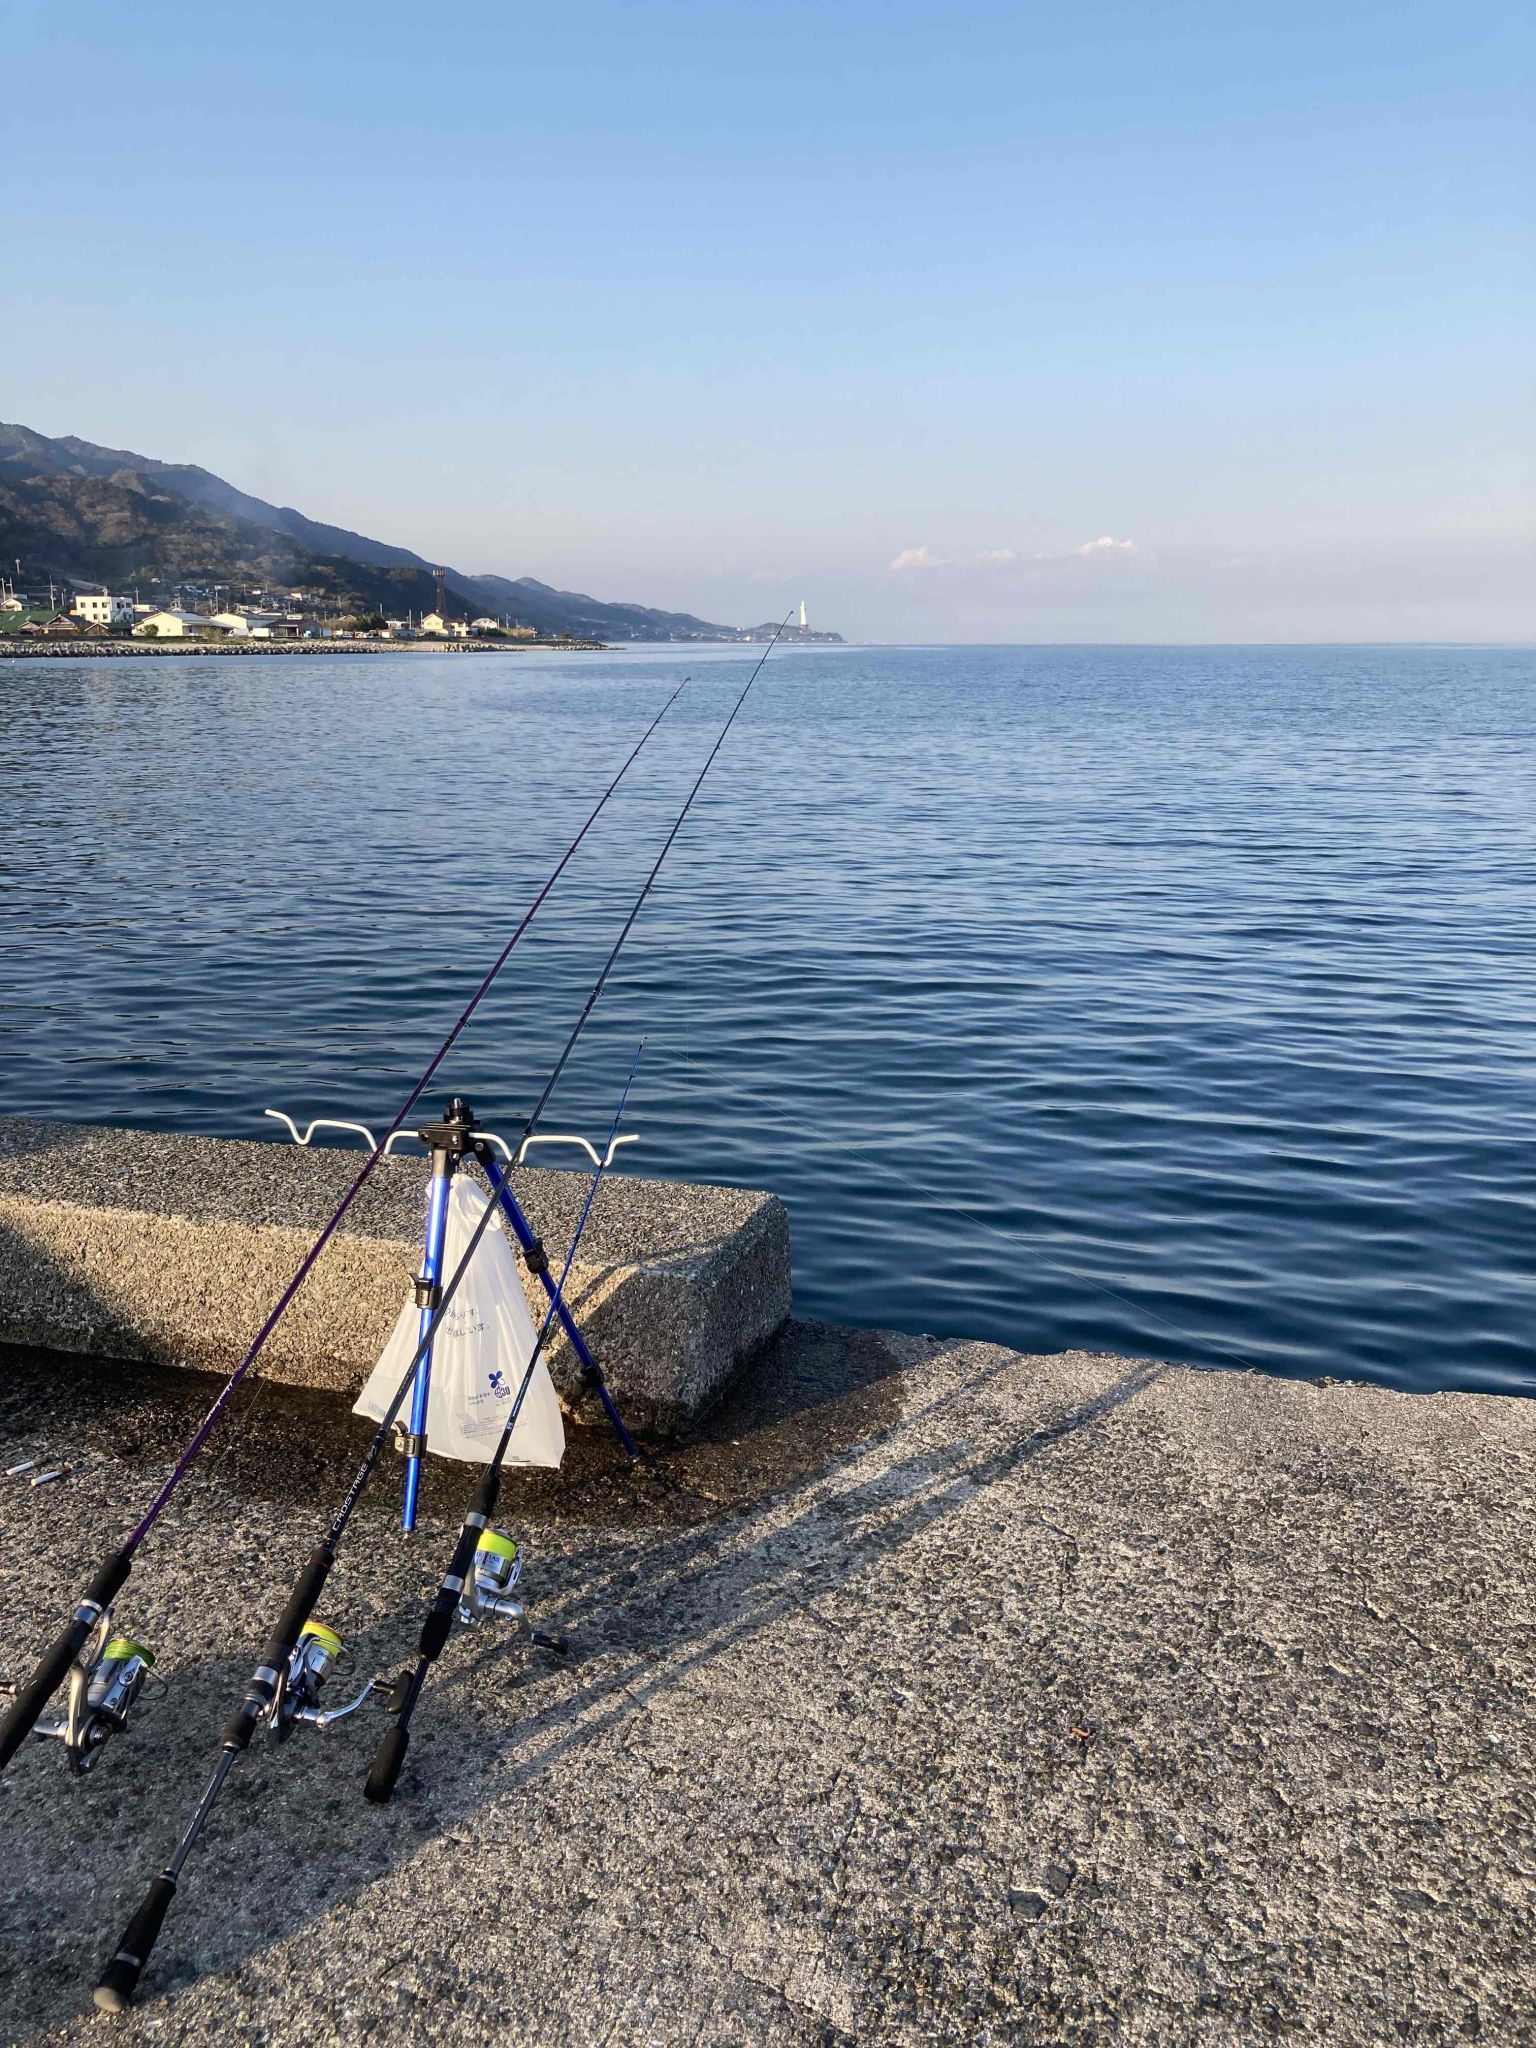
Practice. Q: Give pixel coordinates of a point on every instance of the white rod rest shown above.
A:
(331, 1123)
(565, 1138)
(322, 1123)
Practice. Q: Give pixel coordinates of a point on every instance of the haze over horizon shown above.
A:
(1115, 325)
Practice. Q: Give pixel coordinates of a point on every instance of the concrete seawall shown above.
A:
(151, 1246)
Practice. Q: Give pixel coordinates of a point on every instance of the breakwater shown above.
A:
(146, 1245)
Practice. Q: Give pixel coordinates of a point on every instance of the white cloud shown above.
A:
(1105, 548)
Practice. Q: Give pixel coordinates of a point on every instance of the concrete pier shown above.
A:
(142, 1245)
(921, 1691)
(940, 1695)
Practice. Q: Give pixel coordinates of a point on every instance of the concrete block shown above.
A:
(144, 1244)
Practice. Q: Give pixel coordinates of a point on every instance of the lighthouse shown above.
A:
(803, 621)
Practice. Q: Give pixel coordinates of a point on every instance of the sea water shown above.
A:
(1177, 1002)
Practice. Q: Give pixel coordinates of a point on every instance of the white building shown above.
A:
(100, 608)
(444, 629)
(171, 626)
(256, 625)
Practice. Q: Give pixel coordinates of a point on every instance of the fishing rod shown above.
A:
(499, 1179)
(299, 1656)
(86, 1641)
(284, 1686)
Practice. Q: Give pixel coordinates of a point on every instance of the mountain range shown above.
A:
(79, 514)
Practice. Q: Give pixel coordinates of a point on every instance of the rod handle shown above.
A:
(25, 1710)
(438, 1626)
(388, 1761)
(119, 1980)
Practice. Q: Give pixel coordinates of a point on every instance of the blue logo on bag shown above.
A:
(498, 1384)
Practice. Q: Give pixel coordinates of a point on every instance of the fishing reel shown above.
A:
(104, 1683)
(486, 1594)
(297, 1698)
(498, 1567)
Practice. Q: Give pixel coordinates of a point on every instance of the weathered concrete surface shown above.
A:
(137, 1244)
(951, 1696)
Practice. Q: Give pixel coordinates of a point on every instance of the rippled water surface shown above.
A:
(1178, 1002)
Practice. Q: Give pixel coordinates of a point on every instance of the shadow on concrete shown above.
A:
(671, 1576)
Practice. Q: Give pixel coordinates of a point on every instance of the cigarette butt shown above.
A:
(43, 1478)
(15, 1471)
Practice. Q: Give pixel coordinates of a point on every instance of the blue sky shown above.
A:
(909, 311)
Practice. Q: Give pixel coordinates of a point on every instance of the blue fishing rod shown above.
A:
(493, 1578)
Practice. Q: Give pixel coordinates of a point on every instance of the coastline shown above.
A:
(99, 650)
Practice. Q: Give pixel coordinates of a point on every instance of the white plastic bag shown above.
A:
(484, 1341)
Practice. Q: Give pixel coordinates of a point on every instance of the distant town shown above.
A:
(214, 612)
(217, 612)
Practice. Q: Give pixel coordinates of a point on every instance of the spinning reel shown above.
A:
(297, 1698)
(498, 1567)
(485, 1597)
(104, 1683)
